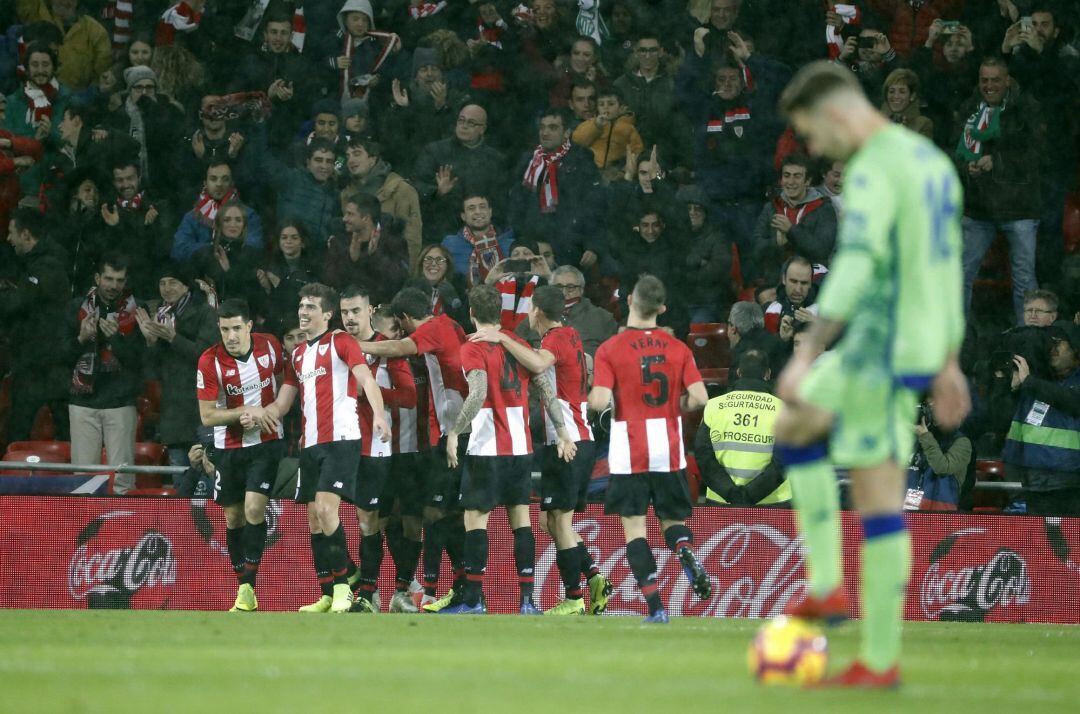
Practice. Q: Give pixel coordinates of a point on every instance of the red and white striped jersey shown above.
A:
(233, 382)
(501, 427)
(647, 371)
(569, 375)
(439, 340)
(322, 370)
(398, 389)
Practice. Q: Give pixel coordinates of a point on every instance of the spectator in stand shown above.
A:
(370, 252)
(326, 123)
(479, 246)
(580, 66)
(710, 286)
(1048, 69)
(136, 224)
(947, 71)
(544, 37)
(290, 268)
(997, 153)
(36, 109)
(148, 125)
(17, 153)
(746, 331)
(435, 275)
(216, 142)
(197, 226)
(555, 194)
(445, 167)
(872, 64)
(516, 278)
(103, 347)
(610, 135)
(642, 189)
(310, 194)
(85, 52)
(901, 102)
(33, 295)
(75, 150)
(76, 225)
(798, 221)
(1040, 308)
(653, 247)
(796, 299)
(177, 329)
(370, 173)
(832, 184)
(909, 20)
(229, 264)
(941, 472)
(1043, 445)
(367, 58)
(582, 103)
(593, 324)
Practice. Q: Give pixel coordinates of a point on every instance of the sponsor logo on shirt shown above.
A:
(244, 389)
(318, 372)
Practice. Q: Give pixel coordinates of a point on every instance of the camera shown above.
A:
(867, 43)
(926, 415)
(518, 265)
(950, 27)
(1025, 23)
(1030, 342)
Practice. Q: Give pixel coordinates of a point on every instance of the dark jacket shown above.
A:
(944, 87)
(813, 237)
(145, 246)
(481, 169)
(663, 258)
(281, 301)
(112, 390)
(174, 364)
(657, 114)
(1046, 464)
(301, 197)
(383, 272)
(1010, 192)
(32, 308)
(573, 227)
(765, 341)
(164, 127)
(259, 70)
(1052, 78)
(240, 280)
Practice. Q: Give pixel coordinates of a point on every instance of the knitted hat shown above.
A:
(326, 106)
(169, 269)
(138, 73)
(424, 56)
(354, 106)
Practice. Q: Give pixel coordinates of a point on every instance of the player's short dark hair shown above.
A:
(369, 145)
(355, 291)
(366, 205)
(485, 303)
(412, 303)
(796, 260)
(754, 364)
(525, 243)
(319, 144)
(117, 261)
(550, 301)
(30, 220)
(815, 82)
(649, 295)
(326, 295)
(234, 307)
(383, 312)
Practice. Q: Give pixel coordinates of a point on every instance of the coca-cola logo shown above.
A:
(123, 571)
(968, 592)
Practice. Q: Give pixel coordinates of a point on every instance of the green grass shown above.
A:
(79, 661)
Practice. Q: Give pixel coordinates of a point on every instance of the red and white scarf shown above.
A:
(207, 207)
(485, 253)
(178, 18)
(515, 304)
(542, 176)
(39, 100)
(99, 358)
(389, 42)
(299, 27)
(133, 203)
(492, 34)
(426, 9)
(167, 313)
(732, 117)
(851, 15)
(120, 12)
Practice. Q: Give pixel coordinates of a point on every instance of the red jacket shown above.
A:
(909, 27)
(9, 178)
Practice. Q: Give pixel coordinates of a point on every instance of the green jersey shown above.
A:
(896, 278)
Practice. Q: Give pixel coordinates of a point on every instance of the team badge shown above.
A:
(264, 360)
(322, 349)
(738, 131)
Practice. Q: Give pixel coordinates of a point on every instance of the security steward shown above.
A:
(734, 444)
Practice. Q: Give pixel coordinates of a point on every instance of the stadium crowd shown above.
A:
(160, 158)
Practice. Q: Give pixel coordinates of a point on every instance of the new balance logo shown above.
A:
(230, 373)
(547, 500)
(264, 484)
(373, 502)
(338, 484)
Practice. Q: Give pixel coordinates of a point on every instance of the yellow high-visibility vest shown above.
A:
(740, 427)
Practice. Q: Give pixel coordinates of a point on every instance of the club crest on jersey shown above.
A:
(738, 131)
(264, 360)
(322, 349)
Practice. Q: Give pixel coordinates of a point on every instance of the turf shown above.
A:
(79, 661)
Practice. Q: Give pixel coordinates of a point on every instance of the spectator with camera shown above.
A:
(868, 53)
(516, 278)
(947, 70)
(941, 472)
(1042, 448)
(795, 299)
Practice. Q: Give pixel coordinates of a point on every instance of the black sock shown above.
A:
(476, 556)
(570, 571)
(394, 535)
(371, 555)
(588, 565)
(406, 566)
(678, 537)
(254, 542)
(454, 540)
(318, 557)
(525, 559)
(234, 543)
(337, 556)
(643, 565)
(433, 548)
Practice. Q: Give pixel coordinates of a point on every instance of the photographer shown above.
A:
(516, 278)
(1042, 448)
(940, 475)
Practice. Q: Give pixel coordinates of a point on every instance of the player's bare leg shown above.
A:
(524, 555)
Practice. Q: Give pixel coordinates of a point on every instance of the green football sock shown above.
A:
(886, 565)
(817, 498)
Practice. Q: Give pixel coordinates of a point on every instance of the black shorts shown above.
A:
(490, 481)
(565, 486)
(631, 494)
(407, 486)
(371, 478)
(249, 468)
(444, 483)
(330, 468)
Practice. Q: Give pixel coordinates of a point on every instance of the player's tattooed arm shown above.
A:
(566, 446)
(477, 391)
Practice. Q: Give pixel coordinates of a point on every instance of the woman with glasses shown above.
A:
(434, 274)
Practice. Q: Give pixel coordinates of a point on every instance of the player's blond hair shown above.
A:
(649, 295)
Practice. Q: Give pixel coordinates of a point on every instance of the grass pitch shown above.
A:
(80, 661)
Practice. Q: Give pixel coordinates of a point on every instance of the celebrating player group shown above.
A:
(424, 480)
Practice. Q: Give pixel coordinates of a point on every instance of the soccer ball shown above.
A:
(788, 651)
